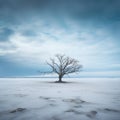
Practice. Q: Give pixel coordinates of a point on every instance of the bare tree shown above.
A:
(63, 65)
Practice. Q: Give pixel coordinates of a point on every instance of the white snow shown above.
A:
(79, 99)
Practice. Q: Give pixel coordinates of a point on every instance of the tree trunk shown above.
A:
(60, 78)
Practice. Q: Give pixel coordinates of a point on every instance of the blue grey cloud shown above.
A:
(31, 30)
(101, 10)
(29, 33)
(102, 13)
(5, 34)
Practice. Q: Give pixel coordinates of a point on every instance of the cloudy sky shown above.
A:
(32, 31)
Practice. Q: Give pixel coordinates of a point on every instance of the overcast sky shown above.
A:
(31, 31)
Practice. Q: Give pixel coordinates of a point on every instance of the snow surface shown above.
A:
(42, 99)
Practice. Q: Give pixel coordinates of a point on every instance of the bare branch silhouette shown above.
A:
(63, 65)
